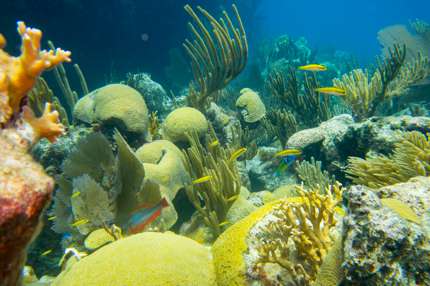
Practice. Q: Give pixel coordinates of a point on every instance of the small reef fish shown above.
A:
(224, 223)
(313, 68)
(214, 144)
(45, 253)
(285, 164)
(232, 199)
(143, 216)
(402, 209)
(52, 217)
(201, 180)
(288, 152)
(80, 222)
(236, 154)
(332, 90)
(76, 194)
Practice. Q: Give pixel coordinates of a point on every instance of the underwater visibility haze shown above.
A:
(214, 143)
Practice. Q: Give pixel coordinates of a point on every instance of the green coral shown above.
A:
(214, 197)
(410, 158)
(312, 175)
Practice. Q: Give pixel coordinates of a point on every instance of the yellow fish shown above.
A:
(80, 222)
(233, 198)
(288, 152)
(224, 223)
(46, 252)
(214, 144)
(76, 194)
(332, 90)
(236, 154)
(402, 209)
(52, 217)
(313, 68)
(201, 180)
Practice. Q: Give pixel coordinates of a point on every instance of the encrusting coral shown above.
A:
(410, 158)
(218, 54)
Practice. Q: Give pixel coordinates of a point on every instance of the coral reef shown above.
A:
(154, 94)
(381, 247)
(255, 250)
(251, 107)
(115, 105)
(410, 158)
(218, 53)
(183, 120)
(220, 185)
(25, 189)
(155, 259)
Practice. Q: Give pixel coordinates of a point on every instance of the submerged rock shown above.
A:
(339, 137)
(382, 247)
(154, 94)
(25, 190)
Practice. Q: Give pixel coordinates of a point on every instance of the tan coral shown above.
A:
(163, 163)
(183, 120)
(18, 74)
(253, 108)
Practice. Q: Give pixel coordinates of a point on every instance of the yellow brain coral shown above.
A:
(164, 165)
(114, 104)
(152, 259)
(253, 107)
(183, 120)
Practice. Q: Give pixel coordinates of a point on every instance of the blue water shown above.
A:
(347, 25)
(110, 38)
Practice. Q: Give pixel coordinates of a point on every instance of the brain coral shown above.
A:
(253, 107)
(163, 164)
(155, 259)
(114, 104)
(230, 247)
(182, 120)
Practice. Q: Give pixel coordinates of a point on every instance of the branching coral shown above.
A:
(281, 124)
(18, 74)
(365, 95)
(299, 236)
(60, 74)
(42, 94)
(411, 157)
(218, 53)
(312, 175)
(213, 197)
(309, 107)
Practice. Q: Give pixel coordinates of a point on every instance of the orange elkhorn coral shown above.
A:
(18, 75)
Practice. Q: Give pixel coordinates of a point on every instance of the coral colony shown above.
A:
(319, 176)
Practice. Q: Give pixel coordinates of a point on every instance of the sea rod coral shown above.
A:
(25, 189)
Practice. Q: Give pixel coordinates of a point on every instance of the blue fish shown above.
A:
(144, 215)
(285, 164)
